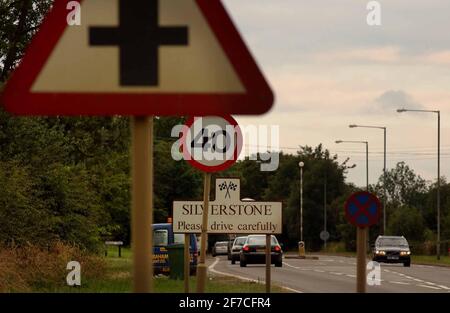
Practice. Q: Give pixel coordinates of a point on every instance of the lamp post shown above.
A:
(438, 200)
(301, 164)
(384, 170)
(325, 209)
(367, 157)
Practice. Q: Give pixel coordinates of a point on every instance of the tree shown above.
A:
(173, 180)
(319, 165)
(20, 215)
(403, 186)
(407, 221)
(19, 21)
(430, 207)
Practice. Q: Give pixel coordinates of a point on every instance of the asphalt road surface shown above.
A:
(338, 274)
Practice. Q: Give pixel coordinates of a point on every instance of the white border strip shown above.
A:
(212, 270)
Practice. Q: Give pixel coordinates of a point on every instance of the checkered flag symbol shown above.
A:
(228, 187)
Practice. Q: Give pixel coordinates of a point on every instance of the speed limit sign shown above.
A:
(211, 143)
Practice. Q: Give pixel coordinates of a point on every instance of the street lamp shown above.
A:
(367, 157)
(438, 241)
(301, 164)
(384, 170)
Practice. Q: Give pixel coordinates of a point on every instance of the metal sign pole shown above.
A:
(187, 261)
(268, 261)
(361, 259)
(142, 197)
(201, 267)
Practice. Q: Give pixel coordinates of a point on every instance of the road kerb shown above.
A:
(213, 270)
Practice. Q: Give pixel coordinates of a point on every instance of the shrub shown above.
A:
(30, 267)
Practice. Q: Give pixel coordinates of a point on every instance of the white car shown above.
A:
(220, 248)
(236, 249)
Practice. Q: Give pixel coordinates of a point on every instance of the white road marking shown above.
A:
(352, 276)
(211, 269)
(431, 287)
(336, 273)
(293, 290)
(319, 271)
(289, 265)
(399, 282)
(426, 284)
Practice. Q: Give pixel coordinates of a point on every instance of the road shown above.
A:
(338, 274)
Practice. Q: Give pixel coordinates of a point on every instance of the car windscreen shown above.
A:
(392, 242)
(160, 238)
(259, 241)
(221, 244)
(240, 241)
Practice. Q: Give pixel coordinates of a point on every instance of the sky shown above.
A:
(328, 69)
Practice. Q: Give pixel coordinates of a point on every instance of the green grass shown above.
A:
(430, 259)
(118, 280)
(415, 259)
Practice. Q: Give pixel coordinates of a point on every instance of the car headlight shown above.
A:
(403, 253)
(380, 252)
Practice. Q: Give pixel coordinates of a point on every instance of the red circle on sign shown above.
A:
(215, 168)
(362, 209)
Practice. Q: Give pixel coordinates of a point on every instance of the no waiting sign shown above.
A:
(362, 209)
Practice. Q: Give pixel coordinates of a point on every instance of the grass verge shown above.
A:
(118, 279)
(430, 260)
(415, 259)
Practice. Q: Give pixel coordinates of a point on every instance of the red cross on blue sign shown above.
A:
(362, 209)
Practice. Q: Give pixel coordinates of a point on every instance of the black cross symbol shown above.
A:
(138, 37)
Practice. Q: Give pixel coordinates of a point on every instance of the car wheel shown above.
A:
(407, 264)
(279, 264)
(233, 261)
(242, 264)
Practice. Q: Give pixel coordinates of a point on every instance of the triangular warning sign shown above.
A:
(140, 57)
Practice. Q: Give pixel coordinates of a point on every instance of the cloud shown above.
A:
(388, 54)
(393, 99)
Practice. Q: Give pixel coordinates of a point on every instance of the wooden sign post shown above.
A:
(142, 203)
(187, 261)
(201, 267)
(361, 259)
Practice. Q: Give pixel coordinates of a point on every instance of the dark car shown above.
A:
(254, 251)
(392, 249)
(235, 251)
